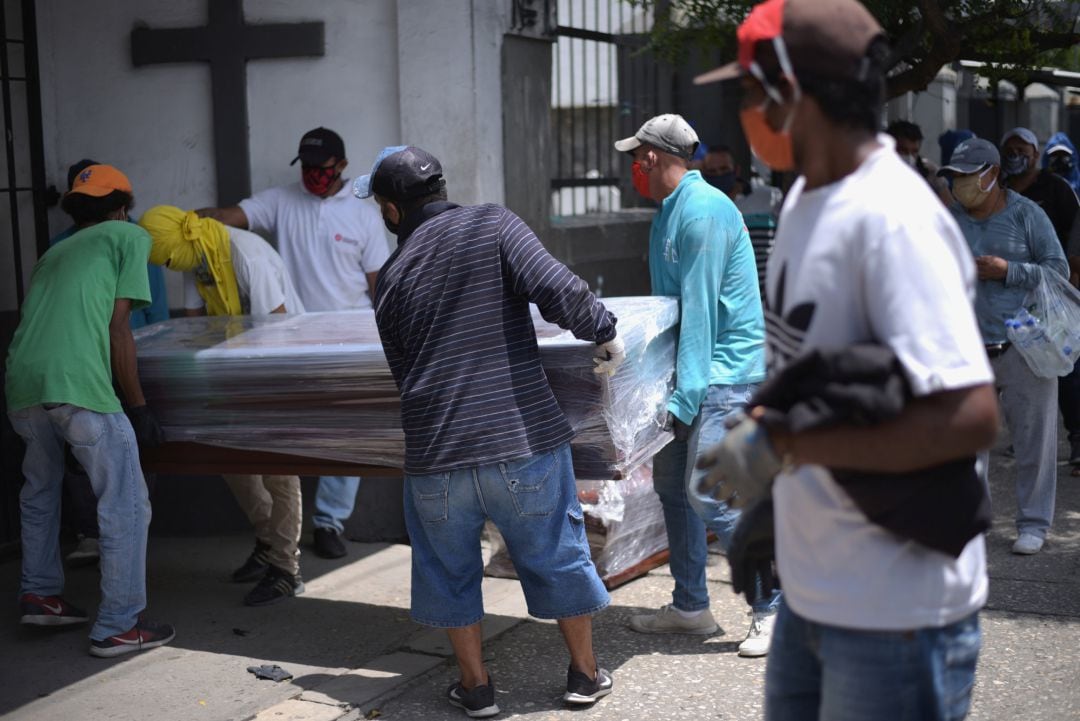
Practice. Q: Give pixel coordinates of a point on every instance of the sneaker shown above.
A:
(581, 690)
(255, 566)
(49, 611)
(86, 553)
(143, 635)
(759, 636)
(669, 620)
(328, 543)
(476, 703)
(1074, 453)
(276, 585)
(1027, 544)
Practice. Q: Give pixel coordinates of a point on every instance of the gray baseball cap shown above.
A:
(668, 132)
(1024, 134)
(972, 155)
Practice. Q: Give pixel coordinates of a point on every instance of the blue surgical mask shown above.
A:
(724, 182)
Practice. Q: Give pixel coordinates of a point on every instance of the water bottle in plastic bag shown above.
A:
(1041, 353)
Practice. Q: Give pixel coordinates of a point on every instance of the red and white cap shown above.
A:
(824, 37)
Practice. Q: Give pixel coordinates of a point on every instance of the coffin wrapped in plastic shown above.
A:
(317, 385)
(624, 523)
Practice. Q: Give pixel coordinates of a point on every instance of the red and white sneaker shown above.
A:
(143, 635)
(49, 611)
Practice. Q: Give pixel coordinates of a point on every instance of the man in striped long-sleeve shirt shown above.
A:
(484, 436)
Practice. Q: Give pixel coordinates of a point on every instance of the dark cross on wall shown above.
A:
(227, 43)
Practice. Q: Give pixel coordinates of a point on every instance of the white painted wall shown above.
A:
(425, 72)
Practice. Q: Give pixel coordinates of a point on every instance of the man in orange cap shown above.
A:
(73, 341)
(872, 625)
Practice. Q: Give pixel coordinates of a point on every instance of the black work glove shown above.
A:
(147, 431)
(677, 427)
(753, 551)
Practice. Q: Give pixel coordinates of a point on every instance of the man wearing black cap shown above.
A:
(484, 436)
(872, 625)
(333, 248)
(1014, 245)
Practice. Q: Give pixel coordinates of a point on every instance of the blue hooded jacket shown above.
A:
(1073, 176)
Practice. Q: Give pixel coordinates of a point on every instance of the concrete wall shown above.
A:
(410, 71)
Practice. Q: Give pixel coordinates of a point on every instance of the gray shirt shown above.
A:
(1022, 234)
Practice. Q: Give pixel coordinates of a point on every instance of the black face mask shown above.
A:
(724, 182)
(1061, 164)
(392, 227)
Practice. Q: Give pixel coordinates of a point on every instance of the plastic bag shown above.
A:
(1046, 330)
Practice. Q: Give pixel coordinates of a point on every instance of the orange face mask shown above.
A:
(772, 146)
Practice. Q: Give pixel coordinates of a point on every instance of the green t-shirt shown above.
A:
(61, 350)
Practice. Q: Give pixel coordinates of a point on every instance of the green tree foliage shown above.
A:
(1013, 37)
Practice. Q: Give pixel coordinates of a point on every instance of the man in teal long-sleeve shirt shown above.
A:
(700, 252)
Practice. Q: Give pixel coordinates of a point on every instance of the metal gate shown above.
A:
(603, 89)
(23, 222)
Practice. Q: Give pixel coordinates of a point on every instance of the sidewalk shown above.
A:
(354, 653)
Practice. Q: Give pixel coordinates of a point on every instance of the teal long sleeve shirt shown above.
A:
(700, 252)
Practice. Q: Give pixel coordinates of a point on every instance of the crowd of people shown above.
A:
(885, 266)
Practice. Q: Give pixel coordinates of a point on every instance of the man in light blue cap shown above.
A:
(1014, 244)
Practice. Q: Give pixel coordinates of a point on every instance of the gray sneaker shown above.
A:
(86, 553)
(669, 620)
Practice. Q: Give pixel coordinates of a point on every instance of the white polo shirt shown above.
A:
(328, 245)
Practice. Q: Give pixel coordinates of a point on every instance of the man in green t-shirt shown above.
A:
(73, 340)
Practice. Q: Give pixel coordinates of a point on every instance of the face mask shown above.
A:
(724, 182)
(968, 191)
(910, 160)
(640, 179)
(318, 180)
(1061, 164)
(392, 227)
(1015, 164)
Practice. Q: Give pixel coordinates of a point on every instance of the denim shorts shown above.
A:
(533, 502)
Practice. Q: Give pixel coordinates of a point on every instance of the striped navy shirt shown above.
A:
(452, 306)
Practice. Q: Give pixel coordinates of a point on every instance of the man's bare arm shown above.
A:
(233, 215)
(122, 353)
(941, 427)
(371, 278)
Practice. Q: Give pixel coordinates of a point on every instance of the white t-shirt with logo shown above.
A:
(874, 257)
(261, 277)
(328, 244)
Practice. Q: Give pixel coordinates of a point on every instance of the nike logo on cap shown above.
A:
(425, 167)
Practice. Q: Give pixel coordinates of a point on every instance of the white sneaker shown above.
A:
(1027, 544)
(759, 636)
(86, 553)
(669, 620)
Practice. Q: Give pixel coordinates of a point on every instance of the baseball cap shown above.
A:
(1024, 134)
(100, 180)
(319, 145)
(75, 168)
(401, 172)
(970, 156)
(1059, 148)
(826, 37)
(668, 132)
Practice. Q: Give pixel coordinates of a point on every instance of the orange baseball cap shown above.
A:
(100, 180)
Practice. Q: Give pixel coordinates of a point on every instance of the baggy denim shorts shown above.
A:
(533, 502)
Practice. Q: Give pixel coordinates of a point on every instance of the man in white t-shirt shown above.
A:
(246, 277)
(333, 248)
(872, 626)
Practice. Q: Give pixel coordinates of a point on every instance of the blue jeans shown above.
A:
(533, 501)
(334, 501)
(104, 443)
(836, 674)
(687, 514)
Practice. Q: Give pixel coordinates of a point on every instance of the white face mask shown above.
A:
(911, 160)
(968, 190)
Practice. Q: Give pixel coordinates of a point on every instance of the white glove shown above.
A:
(742, 466)
(609, 356)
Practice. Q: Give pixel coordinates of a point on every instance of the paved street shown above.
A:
(354, 653)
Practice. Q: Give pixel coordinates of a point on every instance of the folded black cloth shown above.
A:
(941, 507)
